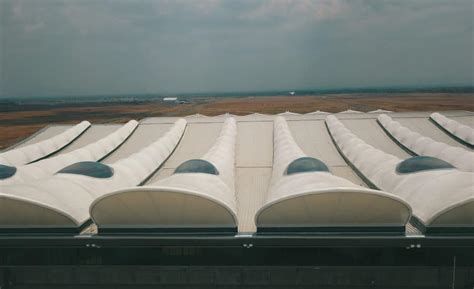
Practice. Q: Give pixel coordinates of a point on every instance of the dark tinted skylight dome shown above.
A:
(196, 166)
(422, 163)
(6, 171)
(90, 169)
(306, 164)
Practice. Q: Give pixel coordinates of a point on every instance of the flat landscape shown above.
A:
(18, 121)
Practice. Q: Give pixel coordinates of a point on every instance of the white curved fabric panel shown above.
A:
(379, 111)
(256, 116)
(27, 154)
(225, 115)
(320, 200)
(457, 130)
(425, 146)
(350, 111)
(317, 112)
(196, 115)
(63, 200)
(439, 198)
(92, 152)
(288, 113)
(183, 201)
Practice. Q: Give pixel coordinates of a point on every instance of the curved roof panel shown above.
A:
(421, 145)
(256, 116)
(429, 192)
(92, 135)
(92, 152)
(459, 131)
(181, 202)
(460, 214)
(350, 111)
(286, 113)
(319, 200)
(317, 112)
(62, 201)
(30, 153)
(373, 134)
(196, 115)
(196, 200)
(379, 111)
(143, 135)
(40, 135)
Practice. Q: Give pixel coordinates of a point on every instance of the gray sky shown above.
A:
(62, 47)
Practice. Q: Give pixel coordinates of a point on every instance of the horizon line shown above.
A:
(267, 92)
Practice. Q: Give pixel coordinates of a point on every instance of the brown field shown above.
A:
(16, 124)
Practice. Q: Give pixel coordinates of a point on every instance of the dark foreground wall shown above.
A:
(238, 277)
(232, 267)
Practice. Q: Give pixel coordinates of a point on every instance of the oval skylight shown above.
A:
(6, 172)
(306, 164)
(90, 169)
(196, 166)
(422, 163)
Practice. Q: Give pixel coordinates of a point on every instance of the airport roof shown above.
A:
(259, 175)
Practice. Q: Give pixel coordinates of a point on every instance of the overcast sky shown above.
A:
(63, 47)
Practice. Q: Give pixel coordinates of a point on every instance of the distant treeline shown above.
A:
(7, 104)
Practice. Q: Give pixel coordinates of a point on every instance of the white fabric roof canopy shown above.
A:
(92, 152)
(183, 201)
(458, 130)
(440, 198)
(422, 145)
(27, 154)
(62, 201)
(247, 174)
(317, 199)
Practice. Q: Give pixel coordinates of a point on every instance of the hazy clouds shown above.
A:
(58, 47)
